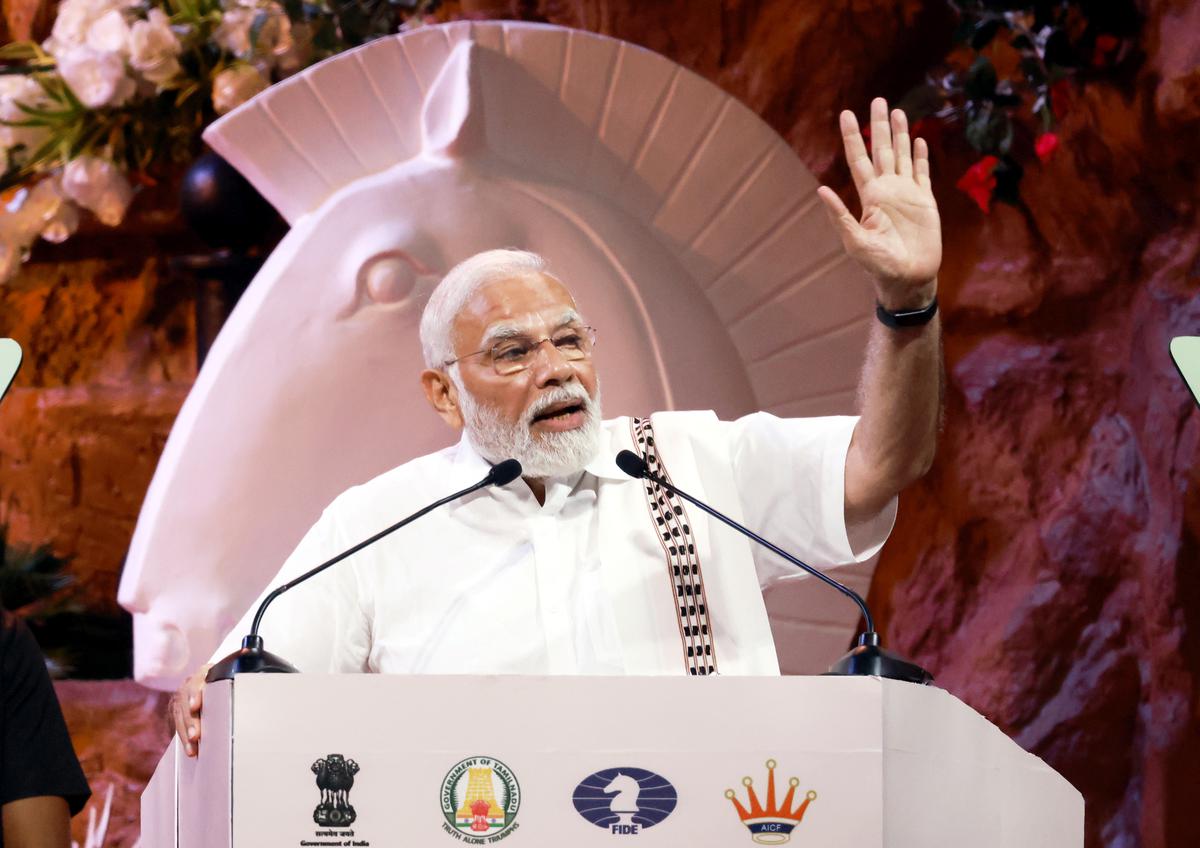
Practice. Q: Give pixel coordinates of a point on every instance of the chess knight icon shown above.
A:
(335, 777)
(771, 825)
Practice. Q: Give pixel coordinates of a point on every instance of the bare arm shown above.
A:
(40, 822)
(898, 242)
(901, 400)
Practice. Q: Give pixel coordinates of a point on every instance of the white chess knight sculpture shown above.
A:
(690, 233)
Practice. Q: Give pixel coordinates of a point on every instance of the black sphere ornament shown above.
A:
(223, 208)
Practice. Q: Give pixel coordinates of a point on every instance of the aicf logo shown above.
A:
(480, 799)
(771, 824)
(625, 801)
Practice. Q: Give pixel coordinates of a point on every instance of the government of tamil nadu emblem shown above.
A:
(771, 824)
(480, 799)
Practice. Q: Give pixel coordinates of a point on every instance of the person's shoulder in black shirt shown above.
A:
(41, 783)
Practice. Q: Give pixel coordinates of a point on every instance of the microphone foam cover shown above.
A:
(631, 464)
(505, 472)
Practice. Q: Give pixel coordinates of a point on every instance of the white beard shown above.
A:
(549, 455)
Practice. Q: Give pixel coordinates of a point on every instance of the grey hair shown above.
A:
(452, 293)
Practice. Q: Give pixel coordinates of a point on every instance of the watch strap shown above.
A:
(906, 318)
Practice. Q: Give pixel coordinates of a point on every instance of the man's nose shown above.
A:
(550, 366)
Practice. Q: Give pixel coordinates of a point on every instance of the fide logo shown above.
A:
(625, 801)
(480, 798)
(335, 777)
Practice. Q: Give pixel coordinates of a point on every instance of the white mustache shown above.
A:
(560, 394)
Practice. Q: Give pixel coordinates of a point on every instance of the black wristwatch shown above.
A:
(905, 319)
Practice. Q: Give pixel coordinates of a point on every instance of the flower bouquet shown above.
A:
(122, 89)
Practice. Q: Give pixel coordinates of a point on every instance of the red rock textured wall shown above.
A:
(1047, 570)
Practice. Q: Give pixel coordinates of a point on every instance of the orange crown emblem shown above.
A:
(772, 824)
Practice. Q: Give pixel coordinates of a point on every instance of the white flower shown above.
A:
(233, 33)
(19, 223)
(98, 185)
(21, 89)
(153, 48)
(98, 79)
(74, 21)
(235, 85)
(109, 33)
(58, 216)
(43, 210)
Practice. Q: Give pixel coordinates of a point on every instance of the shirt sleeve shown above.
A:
(791, 476)
(319, 625)
(36, 757)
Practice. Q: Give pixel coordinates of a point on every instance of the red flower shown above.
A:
(1105, 46)
(1060, 99)
(930, 129)
(1045, 146)
(979, 181)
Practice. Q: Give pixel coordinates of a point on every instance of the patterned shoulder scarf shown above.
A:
(699, 651)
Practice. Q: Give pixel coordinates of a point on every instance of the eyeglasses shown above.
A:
(518, 352)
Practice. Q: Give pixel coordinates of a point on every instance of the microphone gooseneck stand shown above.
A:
(251, 658)
(868, 657)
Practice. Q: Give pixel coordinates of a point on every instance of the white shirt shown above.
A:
(497, 583)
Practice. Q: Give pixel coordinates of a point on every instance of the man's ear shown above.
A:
(442, 396)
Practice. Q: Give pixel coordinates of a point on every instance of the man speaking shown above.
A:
(579, 568)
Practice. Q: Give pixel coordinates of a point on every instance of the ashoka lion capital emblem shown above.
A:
(335, 777)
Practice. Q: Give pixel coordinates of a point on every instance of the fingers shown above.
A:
(900, 141)
(893, 150)
(186, 706)
(180, 716)
(881, 138)
(839, 215)
(921, 164)
(861, 169)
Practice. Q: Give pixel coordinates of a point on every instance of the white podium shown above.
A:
(381, 761)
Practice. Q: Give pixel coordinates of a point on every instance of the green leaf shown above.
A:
(1033, 70)
(20, 51)
(1008, 173)
(989, 130)
(984, 31)
(29, 574)
(29, 122)
(981, 79)
(1023, 43)
(921, 100)
(184, 93)
(46, 113)
(25, 70)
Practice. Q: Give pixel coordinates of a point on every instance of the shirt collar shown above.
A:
(604, 465)
(469, 466)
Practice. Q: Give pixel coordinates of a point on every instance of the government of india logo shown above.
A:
(335, 777)
(625, 801)
(771, 824)
(480, 799)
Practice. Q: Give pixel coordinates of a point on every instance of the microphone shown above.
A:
(868, 657)
(251, 658)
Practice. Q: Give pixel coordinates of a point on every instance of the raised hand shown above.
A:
(899, 239)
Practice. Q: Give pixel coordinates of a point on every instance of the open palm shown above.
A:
(898, 240)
